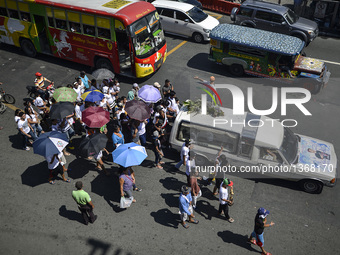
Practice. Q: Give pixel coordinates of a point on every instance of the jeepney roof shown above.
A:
(256, 38)
(121, 8)
(270, 135)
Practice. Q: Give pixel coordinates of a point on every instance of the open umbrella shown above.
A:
(95, 117)
(149, 94)
(61, 110)
(102, 73)
(92, 95)
(138, 110)
(92, 144)
(65, 94)
(129, 154)
(50, 143)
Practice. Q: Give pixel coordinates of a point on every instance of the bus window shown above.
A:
(60, 19)
(88, 24)
(13, 14)
(74, 22)
(103, 26)
(89, 30)
(61, 24)
(25, 16)
(24, 12)
(50, 16)
(3, 12)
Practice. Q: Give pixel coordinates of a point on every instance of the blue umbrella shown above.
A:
(129, 154)
(93, 95)
(149, 94)
(50, 143)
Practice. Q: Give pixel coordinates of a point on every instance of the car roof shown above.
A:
(256, 38)
(265, 6)
(173, 5)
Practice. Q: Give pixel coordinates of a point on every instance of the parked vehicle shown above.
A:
(276, 18)
(253, 148)
(192, 2)
(185, 20)
(266, 54)
(7, 98)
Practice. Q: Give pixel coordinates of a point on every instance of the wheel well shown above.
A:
(300, 35)
(96, 58)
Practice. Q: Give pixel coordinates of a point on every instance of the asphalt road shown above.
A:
(38, 218)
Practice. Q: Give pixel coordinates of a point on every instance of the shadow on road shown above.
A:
(205, 209)
(166, 218)
(172, 183)
(71, 215)
(171, 199)
(237, 239)
(35, 175)
(99, 247)
(16, 141)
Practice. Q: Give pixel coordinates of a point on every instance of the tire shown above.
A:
(236, 70)
(201, 160)
(28, 48)
(104, 63)
(311, 186)
(9, 99)
(198, 37)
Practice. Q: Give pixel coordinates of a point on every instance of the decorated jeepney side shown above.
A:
(266, 54)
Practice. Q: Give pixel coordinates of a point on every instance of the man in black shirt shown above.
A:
(256, 236)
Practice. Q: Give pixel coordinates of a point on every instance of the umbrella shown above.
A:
(95, 117)
(65, 94)
(149, 94)
(129, 154)
(102, 73)
(92, 95)
(50, 143)
(138, 110)
(92, 144)
(61, 110)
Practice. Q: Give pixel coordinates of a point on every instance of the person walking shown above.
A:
(256, 237)
(157, 149)
(184, 154)
(195, 189)
(126, 183)
(55, 164)
(84, 202)
(185, 207)
(224, 199)
(220, 162)
(85, 80)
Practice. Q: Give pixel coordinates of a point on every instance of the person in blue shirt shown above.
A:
(85, 80)
(185, 206)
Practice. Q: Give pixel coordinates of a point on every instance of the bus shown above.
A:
(123, 36)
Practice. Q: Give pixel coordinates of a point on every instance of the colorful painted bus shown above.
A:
(124, 36)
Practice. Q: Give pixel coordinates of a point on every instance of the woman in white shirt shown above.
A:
(33, 120)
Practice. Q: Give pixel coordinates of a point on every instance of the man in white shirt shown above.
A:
(55, 164)
(26, 130)
(224, 199)
(77, 89)
(173, 106)
(40, 104)
(142, 132)
(184, 154)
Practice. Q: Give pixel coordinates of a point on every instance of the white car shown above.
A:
(185, 19)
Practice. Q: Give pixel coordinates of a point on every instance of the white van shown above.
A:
(270, 149)
(185, 19)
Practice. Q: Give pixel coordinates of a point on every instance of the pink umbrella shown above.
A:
(95, 117)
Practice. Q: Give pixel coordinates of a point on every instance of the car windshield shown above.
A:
(291, 17)
(197, 14)
(289, 147)
(147, 35)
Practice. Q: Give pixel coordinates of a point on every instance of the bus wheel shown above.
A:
(311, 186)
(198, 37)
(104, 63)
(236, 69)
(28, 48)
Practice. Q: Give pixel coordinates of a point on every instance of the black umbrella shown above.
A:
(138, 110)
(92, 145)
(61, 110)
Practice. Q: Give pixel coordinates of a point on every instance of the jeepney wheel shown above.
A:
(313, 88)
(198, 37)
(236, 69)
(28, 48)
(311, 186)
(104, 63)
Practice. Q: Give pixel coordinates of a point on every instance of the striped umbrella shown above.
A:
(65, 94)
(92, 95)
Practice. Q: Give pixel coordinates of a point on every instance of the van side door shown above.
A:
(183, 24)
(167, 18)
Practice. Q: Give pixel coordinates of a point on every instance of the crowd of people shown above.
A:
(155, 129)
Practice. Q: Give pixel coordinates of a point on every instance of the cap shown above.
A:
(228, 182)
(157, 85)
(185, 189)
(187, 142)
(38, 74)
(262, 212)
(155, 134)
(135, 85)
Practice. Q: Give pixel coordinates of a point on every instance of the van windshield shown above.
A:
(291, 17)
(197, 14)
(289, 147)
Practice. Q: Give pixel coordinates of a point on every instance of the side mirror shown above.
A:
(283, 22)
(186, 20)
(233, 14)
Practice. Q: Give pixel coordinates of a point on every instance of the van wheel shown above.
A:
(198, 37)
(236, 69)
(28, 48)
(104, 63)
(311, 186)
(201, 160)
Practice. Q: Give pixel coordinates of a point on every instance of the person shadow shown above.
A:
(71, 215)
(172, 183)
(237, 239)
(205, 209)
(166, 218)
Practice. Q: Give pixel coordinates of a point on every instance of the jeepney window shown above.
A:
(60, 19)
(246, 12)
(13, 14)
(3, 12)
(74, 22)
(270, 155)
(12, 9)
(225, 47)
(272, 58)
(247, 50)
(88, 24)
(24, 12)
(25, 16)
(263, 15)
(50, 16)
(103, 26)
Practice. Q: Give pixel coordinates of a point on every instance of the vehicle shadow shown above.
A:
(166, 218)
(71, 215)
(237, 239)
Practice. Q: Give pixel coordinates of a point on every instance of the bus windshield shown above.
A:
(289, 147)
(147, 35)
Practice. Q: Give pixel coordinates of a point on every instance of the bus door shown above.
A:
(41, 29)
(123, 47)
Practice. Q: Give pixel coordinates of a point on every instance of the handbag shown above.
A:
(125, 202)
